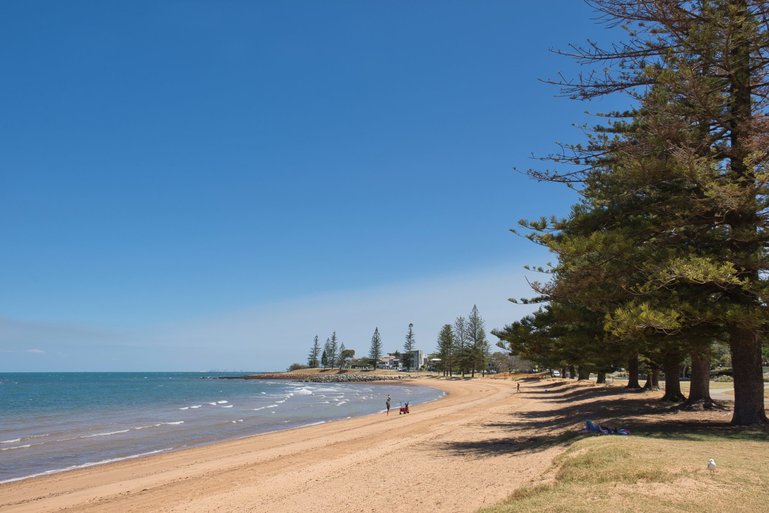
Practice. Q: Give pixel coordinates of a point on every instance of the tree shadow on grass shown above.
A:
(614, 412)
(697, 431)
(573, 404)
(571, 391)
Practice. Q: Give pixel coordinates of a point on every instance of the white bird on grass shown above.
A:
(712, 465)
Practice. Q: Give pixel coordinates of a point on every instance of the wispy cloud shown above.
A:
(14, 332)
(37, 345)
(273, 336)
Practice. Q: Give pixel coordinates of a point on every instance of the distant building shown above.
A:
(418, 359)
(389, 362)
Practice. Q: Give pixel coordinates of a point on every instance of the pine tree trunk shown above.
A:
(632, 370)
(748, 378)
(648, 385)
(583, 374)
(699, 391)
(744, 343)
(572, 372)
(672, 367)
(601, 380)
(652, 377)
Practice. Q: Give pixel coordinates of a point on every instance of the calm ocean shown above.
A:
(51, 422)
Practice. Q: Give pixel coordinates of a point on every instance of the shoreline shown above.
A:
(299, 469)
(184, 446)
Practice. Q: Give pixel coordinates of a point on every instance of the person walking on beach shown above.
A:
(518, 387)
(387, 403)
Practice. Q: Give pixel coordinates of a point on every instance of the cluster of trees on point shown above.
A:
(334, 354)
(462, 347)
(665, 254)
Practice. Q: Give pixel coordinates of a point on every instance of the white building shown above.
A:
(418, 359)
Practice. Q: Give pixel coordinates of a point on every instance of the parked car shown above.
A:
(556, 374)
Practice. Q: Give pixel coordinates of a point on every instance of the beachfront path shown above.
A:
(452, 455)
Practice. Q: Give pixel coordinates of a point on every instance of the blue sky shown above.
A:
(207, 185)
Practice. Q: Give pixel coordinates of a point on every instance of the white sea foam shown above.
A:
(25, 438)
(185, 408)
(222, 402)
(84, 465)
(228, 406)
(327, 389)
(159, 424)
(195, 407)
(260, 408)
(303, 391)
(25, 446)
(109, 433)
(340, 403)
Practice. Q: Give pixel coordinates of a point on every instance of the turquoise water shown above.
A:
(51, 422)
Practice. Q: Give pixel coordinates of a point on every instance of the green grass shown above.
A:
(603, 474)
